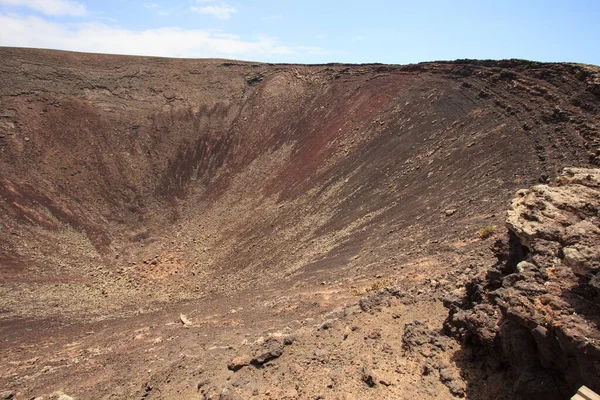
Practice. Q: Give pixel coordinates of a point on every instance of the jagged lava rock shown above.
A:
(538, 309)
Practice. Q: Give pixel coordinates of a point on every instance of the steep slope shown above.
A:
(119, 171)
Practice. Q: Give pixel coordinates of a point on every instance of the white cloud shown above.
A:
(157, 8)
(218, 10)
(50, 7)
(33, 31)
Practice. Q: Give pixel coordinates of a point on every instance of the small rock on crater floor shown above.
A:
(7, 395)
(368, 377)
(239, 362)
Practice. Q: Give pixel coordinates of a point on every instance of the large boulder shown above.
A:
(538, 309)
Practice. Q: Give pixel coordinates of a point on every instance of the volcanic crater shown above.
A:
(161, 217)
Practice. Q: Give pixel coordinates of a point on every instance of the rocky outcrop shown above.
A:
(538, 309)
(264, 352)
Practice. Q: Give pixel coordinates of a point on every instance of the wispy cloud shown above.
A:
(218, 10)
(157, 9)
(31, 31)
(50, 7)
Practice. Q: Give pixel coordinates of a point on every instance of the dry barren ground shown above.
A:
(211, 229)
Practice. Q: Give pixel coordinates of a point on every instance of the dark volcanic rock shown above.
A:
(368, 376)
(538, 309)
(419, 337)
(380, 299)
(271, 350)
(7, 395)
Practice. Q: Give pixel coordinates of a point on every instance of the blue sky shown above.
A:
(310, 31)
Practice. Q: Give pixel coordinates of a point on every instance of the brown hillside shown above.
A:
(251, 197)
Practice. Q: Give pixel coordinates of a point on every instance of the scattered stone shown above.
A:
(7, 395)
(347, 331)
(170, 95)
(271, 349)
(184, 320)
(320, 355)
(385, 381)
(210, 393)
(325, 325)
(147, 389)
(289, 339)
(374, 334)
(427, 369)
(450, 212)
(446, 374)
(254, 79)
(239, 362)
(457, 388)
(374, 303)
(59, 395)
(229, 394)
(368, 377)
(202, 383)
